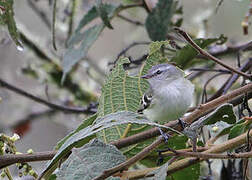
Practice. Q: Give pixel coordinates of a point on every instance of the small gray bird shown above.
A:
(169, 96)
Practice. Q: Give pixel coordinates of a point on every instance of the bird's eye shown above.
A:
(158, 72)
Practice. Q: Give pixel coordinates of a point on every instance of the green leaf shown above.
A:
(103, 13)
(184, 56)
(7, 18)
(155, 56)
(90, 161)
(77, 52)
(85, 135)
(87, 18)
(236, 130)
(223, 113)
(87, 122)
(53, 177)
(225, 128)
(159, 20)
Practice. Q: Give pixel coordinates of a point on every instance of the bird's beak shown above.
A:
(146, 76)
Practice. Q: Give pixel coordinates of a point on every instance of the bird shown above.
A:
(169, 96)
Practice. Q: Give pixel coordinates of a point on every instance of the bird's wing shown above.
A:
(145, 102)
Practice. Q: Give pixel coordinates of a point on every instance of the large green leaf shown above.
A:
(122, 92)
(90, 161)
(83, 136)
(7, 18)
(184, 56)
(159, 20)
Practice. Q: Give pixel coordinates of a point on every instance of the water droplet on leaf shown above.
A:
(20, 48)
(225, 116)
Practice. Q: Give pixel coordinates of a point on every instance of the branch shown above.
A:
(206, 54)
(88, 110)
(204, 155)
(9, 159)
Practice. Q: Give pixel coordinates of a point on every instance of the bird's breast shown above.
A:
(170, 101)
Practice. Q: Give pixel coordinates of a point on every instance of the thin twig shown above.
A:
(129, 47)
(137, 23)
(211, 155)
(210, 70)
(65, 109)
(54, 25)
(204, 94)
(206, 54)
(129, 6)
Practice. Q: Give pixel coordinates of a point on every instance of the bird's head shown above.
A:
(163, 72)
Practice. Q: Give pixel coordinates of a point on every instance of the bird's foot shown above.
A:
(164, 135)
(182, 123)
